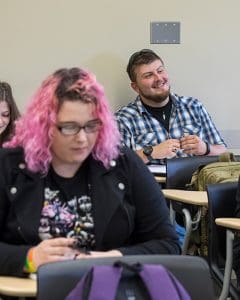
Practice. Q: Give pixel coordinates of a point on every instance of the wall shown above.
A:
(38, 37)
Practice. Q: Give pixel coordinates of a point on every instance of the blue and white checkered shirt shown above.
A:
(188, 116)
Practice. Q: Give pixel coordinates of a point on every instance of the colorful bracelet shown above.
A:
(29, 266)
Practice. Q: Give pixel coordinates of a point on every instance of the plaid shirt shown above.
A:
(188, 116)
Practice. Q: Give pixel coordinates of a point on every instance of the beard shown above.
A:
(157, 98)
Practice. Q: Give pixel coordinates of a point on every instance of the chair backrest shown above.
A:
(180, 170)
(221, 203)
(56, 280)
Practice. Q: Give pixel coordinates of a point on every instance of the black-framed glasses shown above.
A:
(72, 128)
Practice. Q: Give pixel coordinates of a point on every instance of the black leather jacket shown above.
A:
(130, 212)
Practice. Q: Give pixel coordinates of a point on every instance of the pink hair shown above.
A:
(34, 129)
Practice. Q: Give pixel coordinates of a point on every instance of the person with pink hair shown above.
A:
(69, 190)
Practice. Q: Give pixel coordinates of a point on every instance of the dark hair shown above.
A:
(6, 95)
(142, 57)
(73, 85)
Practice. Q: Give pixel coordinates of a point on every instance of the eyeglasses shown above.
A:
(72, 128)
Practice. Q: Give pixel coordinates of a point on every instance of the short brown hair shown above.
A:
(142, 57)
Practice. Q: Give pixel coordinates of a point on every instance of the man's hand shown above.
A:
(192, 144)
(166, 149)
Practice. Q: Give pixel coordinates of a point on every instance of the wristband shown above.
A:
(207, 148)
(29, 266)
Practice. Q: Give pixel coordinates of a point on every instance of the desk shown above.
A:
(160, 179)
(232, 225)
(198, 198)
(18, 287)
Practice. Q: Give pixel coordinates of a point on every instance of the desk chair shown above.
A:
(221, 204)
(179, 173)
(56, 280)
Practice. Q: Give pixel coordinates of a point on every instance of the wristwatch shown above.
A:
(147, 151)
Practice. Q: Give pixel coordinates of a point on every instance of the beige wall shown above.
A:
(38, 37)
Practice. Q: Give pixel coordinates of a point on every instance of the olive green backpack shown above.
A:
(226, 170)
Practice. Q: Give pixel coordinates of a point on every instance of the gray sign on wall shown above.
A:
(165, 32)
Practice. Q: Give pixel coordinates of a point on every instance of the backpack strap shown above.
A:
(161, 283)
(102, 282)
(105, 276)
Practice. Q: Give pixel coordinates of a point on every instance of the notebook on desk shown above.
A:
(157, 169)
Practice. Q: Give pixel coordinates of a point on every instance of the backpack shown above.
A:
(226, 170)
(130, 282)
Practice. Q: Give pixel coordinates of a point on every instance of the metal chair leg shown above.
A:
(190, 225)
(228, 266)
(188, 228)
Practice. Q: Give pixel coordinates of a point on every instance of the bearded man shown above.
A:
(160, 124)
